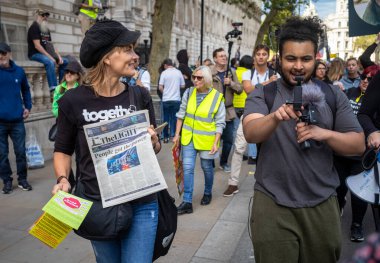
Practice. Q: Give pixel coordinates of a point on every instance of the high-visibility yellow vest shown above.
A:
(199, 124)
(92, 13)
(239, 99)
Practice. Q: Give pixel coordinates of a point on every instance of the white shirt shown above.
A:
(172, 79)
(256, 78)
(145, 79)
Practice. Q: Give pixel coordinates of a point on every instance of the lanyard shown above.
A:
(265, 77)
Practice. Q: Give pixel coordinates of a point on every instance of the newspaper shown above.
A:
(125, 163)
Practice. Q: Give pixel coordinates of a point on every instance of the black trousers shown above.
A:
(346, 167)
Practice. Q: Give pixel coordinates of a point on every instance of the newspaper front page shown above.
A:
(125, 163)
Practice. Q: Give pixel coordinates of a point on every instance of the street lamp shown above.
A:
(146, 51)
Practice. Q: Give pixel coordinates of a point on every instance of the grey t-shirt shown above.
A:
(291, 176)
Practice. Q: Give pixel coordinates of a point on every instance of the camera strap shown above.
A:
(377, 180)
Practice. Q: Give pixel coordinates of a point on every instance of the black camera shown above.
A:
(235, 32)
(309, 111)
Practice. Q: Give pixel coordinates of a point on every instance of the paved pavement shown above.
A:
(214, 233)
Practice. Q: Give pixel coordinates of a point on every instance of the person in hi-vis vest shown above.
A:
(88, 14)
(200, 121)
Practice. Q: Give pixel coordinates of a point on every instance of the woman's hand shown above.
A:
(63, 185)
(214, 149)
(176, 140)
(153, 137)
(374, 139)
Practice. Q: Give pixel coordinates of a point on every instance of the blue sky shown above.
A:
(324, 7)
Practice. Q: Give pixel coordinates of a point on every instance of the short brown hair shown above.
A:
(216, 51)
(259, 47)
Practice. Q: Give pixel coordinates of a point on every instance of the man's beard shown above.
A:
(44, 27)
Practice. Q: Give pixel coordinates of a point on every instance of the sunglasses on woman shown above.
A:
(199, 78)
(363, 77)
(70, 72)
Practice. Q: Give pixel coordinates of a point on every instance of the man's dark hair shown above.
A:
(259, 47)
(168, 62)
(300, 30)
(246, 62)
(216, 51)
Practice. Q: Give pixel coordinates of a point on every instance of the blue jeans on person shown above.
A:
(170, 107)
(252, 150)
(228, 140)
(50, 69)
(16, 131)
(135, 246)
(189, 155)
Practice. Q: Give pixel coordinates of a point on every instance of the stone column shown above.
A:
(37, 89)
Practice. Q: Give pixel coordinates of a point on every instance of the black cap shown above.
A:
(74, 66)
(4, 48)
(101, 38)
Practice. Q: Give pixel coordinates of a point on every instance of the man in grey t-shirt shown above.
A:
(295, 216)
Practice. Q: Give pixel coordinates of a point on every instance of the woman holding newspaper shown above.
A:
(200, 121)
(108, 53)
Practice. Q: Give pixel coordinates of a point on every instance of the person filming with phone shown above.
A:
(294, 208)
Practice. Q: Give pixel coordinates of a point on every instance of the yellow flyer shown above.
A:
(49, 230)
(63, 212)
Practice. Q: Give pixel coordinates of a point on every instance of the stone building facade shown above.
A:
(337, 32)
(17, 15)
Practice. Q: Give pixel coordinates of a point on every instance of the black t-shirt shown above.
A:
(80, 107)
(34, 33)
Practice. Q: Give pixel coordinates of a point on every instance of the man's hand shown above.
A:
(25, 114)
(310, 132)
(285, 113)
(63, 185)
(60, 62)
(374, 139)
(227, 81)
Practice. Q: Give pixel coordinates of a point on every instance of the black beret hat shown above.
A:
(74, 66)
(101, 38)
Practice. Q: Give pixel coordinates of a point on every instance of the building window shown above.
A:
(347, 34)
(337, 45)
(15, 36)
(339, 24)
(346, 44)
(338, 34)
(187, 44)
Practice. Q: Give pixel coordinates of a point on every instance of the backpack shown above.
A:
(270, 91)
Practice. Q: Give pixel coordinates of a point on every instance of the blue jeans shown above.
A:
(228, 140)
(16, 131)
(50, 69)
(170, 109)
(138, 244)
(252, 150)
(189, 155)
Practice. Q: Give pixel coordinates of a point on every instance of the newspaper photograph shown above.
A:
(125, 163)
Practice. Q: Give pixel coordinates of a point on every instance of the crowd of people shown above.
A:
(218, 112)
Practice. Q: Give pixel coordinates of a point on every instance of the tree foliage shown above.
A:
(275, 11)
(363, 42)
(162, 23)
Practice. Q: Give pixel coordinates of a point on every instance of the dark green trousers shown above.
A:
(305, 235)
